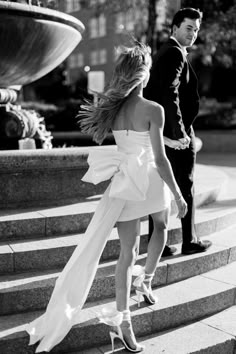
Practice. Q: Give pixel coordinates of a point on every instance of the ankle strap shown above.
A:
(126, 315)
(149, 276)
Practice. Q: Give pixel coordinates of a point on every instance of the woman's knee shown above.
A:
(161, 220)
(128, 255)
(129, 241)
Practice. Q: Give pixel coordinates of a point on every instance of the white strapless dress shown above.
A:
(136, 190)
(157, 195)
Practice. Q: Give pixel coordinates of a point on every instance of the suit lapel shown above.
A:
(191, 69)
(190, 73)
(173, 43)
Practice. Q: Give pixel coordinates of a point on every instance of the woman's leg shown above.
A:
(158, 240)
(129, 243)
(155, 247)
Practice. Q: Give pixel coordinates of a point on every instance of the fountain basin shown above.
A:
(34, 41)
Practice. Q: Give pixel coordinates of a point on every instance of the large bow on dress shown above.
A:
(129, 182)
(128, 173)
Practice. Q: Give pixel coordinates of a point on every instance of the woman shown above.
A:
(141, 175)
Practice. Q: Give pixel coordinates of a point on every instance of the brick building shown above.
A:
(105, 29)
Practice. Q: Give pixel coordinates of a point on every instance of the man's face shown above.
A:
(187, 32)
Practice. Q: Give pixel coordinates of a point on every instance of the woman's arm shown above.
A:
(180, 144)
(156, 115)
(173, 144)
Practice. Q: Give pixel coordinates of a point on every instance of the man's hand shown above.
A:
(180, 144)
(173, 144)
(185, 142)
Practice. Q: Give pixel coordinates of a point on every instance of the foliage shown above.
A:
(219, 37)
(218, 31)
(216, 115)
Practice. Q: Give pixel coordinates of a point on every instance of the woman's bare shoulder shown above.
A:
(153, 109)
(152, 105)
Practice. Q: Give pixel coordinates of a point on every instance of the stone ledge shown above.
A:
(48, 177)
(21, 160)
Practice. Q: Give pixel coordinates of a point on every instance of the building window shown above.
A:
(80, 60)
(72, 6)
(72, 61)
(97, 26)
(93, 28)
(103, 56)
(96, 2)
(98, 57)
(120, 22)
(94, 57)
(129, 21)
(125, 21)
(102, 25)
(76, 61)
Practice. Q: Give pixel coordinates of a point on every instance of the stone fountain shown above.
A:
(33, 41)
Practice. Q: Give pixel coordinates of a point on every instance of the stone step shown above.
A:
(214, 334)
(74, 218)
(31, 291)
(179, 304)
(51, 252)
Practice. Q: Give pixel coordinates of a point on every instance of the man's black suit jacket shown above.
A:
(173, 84)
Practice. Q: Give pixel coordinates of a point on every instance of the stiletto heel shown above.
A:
(119, 335)
(143, 288)
(139, 294)
(113, 335)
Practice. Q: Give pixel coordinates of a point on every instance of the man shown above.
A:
(173, 84)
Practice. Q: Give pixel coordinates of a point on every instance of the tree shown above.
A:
(220, 36)
(218, 30)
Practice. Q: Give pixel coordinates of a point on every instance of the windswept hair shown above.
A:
(131, 68)
(186, 12)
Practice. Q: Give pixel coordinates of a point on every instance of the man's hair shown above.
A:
(186, 12)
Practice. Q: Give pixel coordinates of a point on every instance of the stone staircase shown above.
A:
(196, 311)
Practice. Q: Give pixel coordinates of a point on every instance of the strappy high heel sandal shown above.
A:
(143, 288)
(136, 348)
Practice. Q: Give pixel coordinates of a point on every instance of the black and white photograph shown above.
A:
(118, 176)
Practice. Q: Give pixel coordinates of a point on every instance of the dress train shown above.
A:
(129, 173)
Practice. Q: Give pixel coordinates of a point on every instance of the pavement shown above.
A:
(226, 162)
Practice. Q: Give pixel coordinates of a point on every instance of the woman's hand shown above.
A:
(173, 144)
(182, 207)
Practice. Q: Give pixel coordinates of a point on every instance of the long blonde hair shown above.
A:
(131, 68)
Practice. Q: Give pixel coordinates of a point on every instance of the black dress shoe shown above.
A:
(196, 247)
(168, 251)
